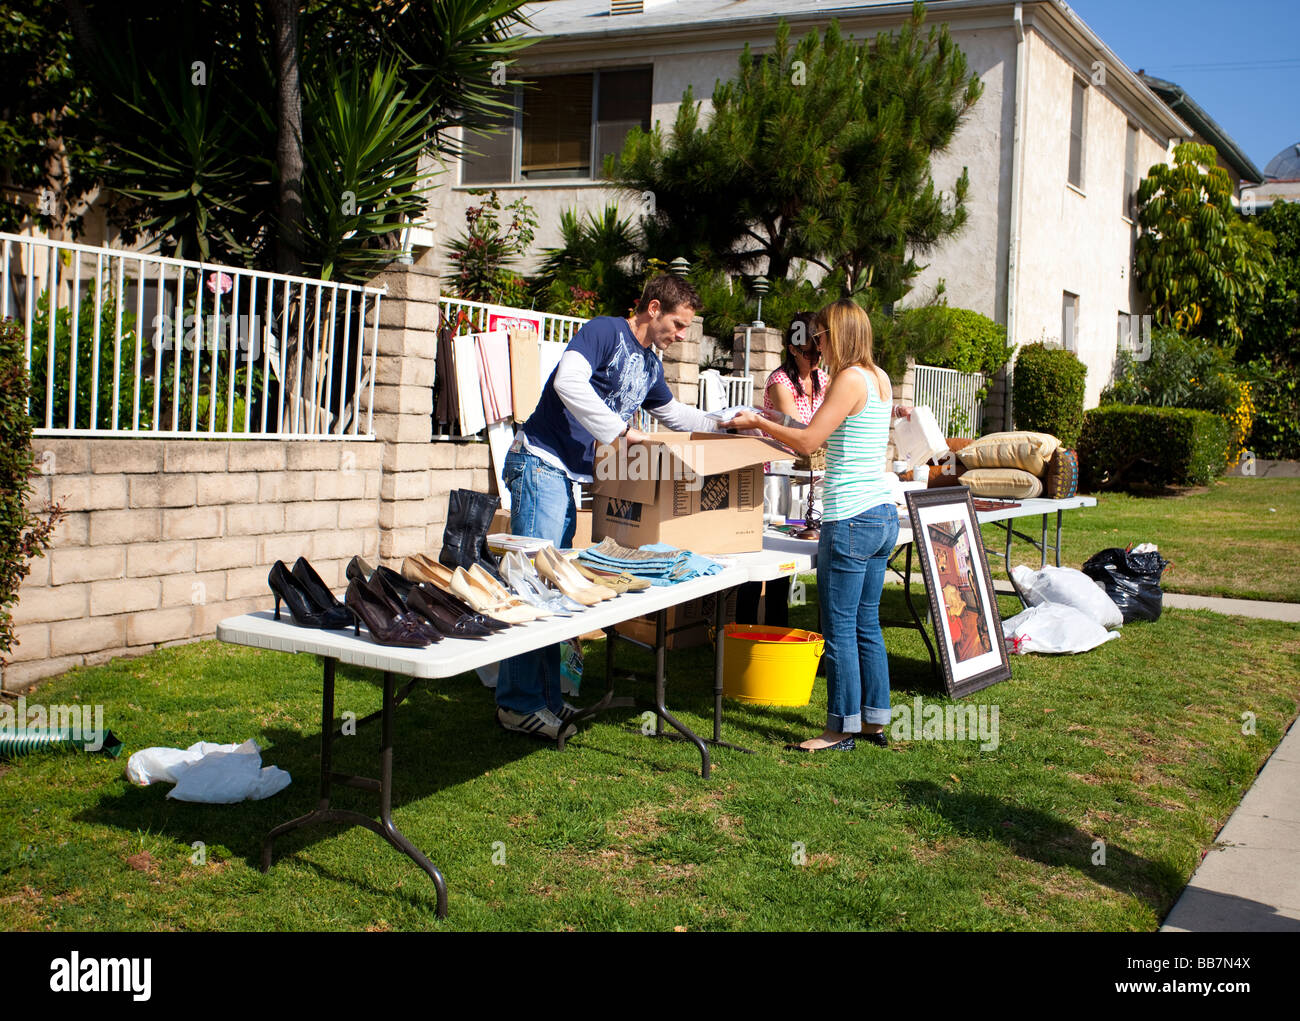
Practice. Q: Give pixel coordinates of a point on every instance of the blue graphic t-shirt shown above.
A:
(625, 375)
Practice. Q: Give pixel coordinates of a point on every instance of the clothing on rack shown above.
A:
(493, 350)
(446, 402)
(472, 419)
(525, 373)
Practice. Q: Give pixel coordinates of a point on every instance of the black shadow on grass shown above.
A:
(1031, 833)
(441, 738)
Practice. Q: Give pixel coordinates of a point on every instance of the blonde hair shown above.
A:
(848, 337)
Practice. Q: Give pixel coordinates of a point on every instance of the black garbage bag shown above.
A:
(1132, 580)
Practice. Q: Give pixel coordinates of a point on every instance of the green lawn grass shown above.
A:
(1241, 538)
(1137, 744)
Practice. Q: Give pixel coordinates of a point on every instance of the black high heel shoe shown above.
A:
(450, 624)
(303, 609)
(383, 590)
(385, 627)
(460, 610)
(315, 585)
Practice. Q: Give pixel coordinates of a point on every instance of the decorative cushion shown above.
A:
(1024, 450)
(951, 478)
(1002, 483)
(1062, 478)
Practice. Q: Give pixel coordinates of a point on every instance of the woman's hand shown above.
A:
(901, 411)
(746, 420)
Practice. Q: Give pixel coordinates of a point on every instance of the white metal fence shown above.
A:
(952, 396)
(483, 317)
(122, 343)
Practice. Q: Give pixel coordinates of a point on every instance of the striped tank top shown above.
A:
(855, 458)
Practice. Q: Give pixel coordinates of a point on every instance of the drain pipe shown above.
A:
(1017, 173)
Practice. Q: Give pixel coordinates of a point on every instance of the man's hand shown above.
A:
(635, 436)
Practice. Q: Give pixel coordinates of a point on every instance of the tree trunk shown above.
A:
(288, 146)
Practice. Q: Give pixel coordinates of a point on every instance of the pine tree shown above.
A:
(817, 151)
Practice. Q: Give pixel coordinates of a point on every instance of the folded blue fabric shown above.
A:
(673, 566)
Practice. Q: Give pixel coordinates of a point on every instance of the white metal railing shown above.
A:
(484, 317)
(175, 348)
(952, 396)
(737, 391)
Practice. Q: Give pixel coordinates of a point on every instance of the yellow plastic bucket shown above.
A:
(769, 665)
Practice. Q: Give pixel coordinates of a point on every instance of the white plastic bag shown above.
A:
(1053, 627)
(214, 773)
(1068, 587)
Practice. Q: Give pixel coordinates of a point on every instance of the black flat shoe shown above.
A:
(879, 740)
(845, 745)
(303, 609)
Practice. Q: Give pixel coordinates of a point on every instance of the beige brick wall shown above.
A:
(163, 539)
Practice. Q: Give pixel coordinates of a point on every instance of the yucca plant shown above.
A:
(362, 179)
(600, 253)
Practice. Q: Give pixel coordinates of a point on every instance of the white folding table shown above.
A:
(1002, 513)
(454, 656)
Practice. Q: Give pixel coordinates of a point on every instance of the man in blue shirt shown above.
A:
(610, 368)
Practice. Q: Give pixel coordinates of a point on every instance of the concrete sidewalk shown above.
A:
(1250, 879)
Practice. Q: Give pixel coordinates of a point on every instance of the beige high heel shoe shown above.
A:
(417, 567)
(564, 576)
(464, 586)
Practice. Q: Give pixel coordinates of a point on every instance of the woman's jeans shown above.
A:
(541, 506)
(852, 556)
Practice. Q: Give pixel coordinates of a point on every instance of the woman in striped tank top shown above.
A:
(859, 525)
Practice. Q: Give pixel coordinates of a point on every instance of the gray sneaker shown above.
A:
(543, 723)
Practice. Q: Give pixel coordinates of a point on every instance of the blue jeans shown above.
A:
(851, 559)
(541, 505)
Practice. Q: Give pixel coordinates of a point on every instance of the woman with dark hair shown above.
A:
(797, 389)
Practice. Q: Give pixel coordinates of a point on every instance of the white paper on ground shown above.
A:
(1054, 627)
(213, 773)
(500, 435)
(1068, 587)
(465, 355)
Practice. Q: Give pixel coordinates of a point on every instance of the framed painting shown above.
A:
(963, 606)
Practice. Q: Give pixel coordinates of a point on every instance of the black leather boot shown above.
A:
(464, 539)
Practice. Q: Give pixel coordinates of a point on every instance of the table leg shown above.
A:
(719, 624)
(916, 619)
(384, 787)
(1058, 538)
(1042, 546)
(662, 714)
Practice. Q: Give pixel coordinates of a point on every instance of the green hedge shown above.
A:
(1047, 392)
(976, 343)
(23, 533)
(1124, 444)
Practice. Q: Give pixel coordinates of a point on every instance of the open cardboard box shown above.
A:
(696, 491)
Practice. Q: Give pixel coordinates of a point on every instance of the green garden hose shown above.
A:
(14, 743)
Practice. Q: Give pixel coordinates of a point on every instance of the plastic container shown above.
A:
(766, 665)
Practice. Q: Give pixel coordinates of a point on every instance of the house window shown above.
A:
(1076, 134)
(563, 128)
(1069, 321)
(1130, 173)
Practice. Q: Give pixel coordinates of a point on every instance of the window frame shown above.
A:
(592, 178)
(1070, 301)
(1078, 86)
(1131, 133)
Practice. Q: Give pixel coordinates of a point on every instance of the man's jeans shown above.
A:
(851, 559)
(541, 506)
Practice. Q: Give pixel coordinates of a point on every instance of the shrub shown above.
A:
(1186, 372)
(23, 533)
(85, 362)
(976, 343)
(482, 256)
(1275, 431)
(1126, 444)
(1047, 392)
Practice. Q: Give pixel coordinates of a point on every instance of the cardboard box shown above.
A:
(693, 618)
(697, 491)
(581, 534)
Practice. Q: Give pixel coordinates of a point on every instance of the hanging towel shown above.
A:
(525, 373)
(549, 352)
(494, 374)
(472, 419)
